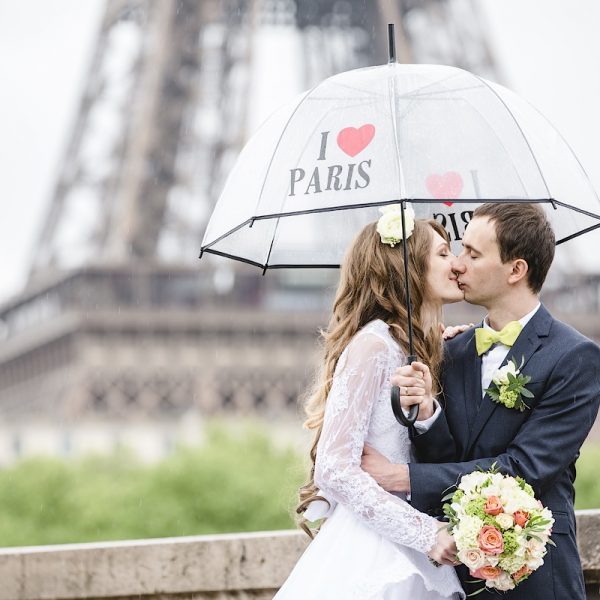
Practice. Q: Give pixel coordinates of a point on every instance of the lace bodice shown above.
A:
(358, 410)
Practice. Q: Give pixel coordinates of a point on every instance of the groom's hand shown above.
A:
(391, 477)
(444, 551)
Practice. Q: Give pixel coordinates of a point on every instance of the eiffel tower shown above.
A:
(119, 321)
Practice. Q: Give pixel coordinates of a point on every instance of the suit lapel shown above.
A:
(524, 348)
(472, 381)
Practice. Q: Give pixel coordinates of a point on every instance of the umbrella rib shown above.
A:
(271, 247)
(582, 232)
(500, 141)
(226, 234)
(563, 139)
(233, 257)
(392, 101)
(310, 266)
(519, 128)
(577, 209)
(310, 211)
(266, 176)
(267, 267)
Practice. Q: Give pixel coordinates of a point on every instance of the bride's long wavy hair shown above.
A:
(372, 287)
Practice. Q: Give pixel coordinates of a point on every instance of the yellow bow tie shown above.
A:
(486, 338)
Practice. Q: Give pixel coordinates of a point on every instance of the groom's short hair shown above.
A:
(523, 231)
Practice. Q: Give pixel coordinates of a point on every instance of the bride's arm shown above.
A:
(357, 383)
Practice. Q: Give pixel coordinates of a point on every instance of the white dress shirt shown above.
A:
(493, 358)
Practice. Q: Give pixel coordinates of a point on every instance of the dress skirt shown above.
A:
(349, 561)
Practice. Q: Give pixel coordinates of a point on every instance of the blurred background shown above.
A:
(144, 393)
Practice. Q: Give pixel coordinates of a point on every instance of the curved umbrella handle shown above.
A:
(413, 412)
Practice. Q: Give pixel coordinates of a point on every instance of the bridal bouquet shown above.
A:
(500, 529)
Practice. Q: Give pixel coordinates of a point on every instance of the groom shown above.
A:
(508, 249)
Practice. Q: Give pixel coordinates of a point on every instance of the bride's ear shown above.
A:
(519, 271)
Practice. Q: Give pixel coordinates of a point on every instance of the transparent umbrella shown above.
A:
(439, 137)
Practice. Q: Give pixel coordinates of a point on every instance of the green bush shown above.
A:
(233, 482)
(587, 484)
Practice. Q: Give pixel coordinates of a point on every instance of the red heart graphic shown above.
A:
(449, 185)
(352, 140)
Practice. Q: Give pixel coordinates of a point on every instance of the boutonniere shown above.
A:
(509, 386)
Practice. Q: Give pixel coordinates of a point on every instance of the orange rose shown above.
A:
(521, 517)
(490, 540)
(493, 506)
(487, 572)
(522, 572)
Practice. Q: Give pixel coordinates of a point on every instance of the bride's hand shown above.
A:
(444, 551)
(414, 381)
(453, 330)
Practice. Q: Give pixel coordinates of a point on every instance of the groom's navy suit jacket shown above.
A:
(540, 444)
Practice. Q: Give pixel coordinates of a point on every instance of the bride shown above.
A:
(373, 544)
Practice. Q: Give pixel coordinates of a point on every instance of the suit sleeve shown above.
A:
(547, 443)
(436, 445)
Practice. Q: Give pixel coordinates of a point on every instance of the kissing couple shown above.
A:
(376, 486)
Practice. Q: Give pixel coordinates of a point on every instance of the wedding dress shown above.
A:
(373, 544)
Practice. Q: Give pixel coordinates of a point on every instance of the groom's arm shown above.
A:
(547, 443)
(434, 444)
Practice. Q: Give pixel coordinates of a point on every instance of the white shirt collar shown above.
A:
(523, 320)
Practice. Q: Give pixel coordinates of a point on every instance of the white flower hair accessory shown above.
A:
(389, 226)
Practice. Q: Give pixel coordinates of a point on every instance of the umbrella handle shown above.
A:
(413, 412)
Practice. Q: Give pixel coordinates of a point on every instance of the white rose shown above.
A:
(534, 562)
(547, 514)
(505, 520)
(509, 487)
(490, 490)
(458, 509)
(472, 480)
(536, 548)
(503, 582)
(389, 226)
(501, 375)
(473, 558)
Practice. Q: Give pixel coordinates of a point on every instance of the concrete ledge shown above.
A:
(588, 540)
(240, 566)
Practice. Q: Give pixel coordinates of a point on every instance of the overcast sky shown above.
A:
(549, 52)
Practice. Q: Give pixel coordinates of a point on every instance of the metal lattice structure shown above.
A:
(118, 320)
(165, 109)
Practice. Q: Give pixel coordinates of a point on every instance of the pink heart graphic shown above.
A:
(446, 186)
(352, 140)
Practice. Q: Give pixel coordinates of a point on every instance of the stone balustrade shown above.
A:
(217, 567)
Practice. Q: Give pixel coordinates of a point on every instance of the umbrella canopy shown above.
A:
(437, 136)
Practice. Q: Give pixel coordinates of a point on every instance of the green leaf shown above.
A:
(483, 589)
(525, 392)
(454, 487)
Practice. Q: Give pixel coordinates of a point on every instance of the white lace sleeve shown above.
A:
(364, 367)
